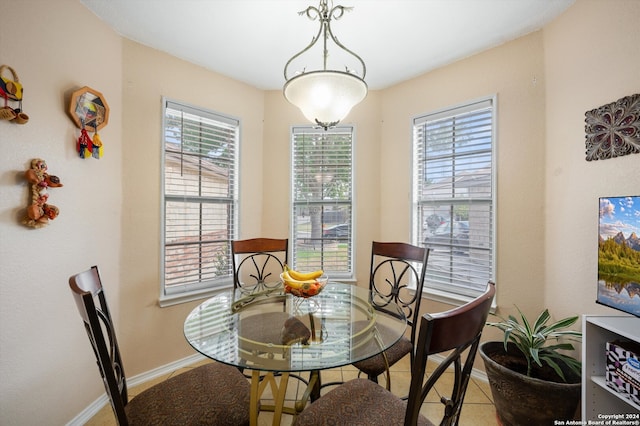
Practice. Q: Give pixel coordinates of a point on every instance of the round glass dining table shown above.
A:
(273, 334)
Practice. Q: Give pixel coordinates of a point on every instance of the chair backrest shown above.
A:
(458, 331)
(397, 275)
(258, 262)
(88, 293)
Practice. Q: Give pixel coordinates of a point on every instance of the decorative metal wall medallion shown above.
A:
(613, 130)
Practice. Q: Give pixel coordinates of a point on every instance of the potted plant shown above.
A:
(531, 380)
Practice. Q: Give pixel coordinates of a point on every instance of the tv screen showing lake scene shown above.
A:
(619, 254)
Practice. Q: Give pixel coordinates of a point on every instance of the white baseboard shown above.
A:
(88, 413)
(92, 409)
(479, 375)
(475, 373)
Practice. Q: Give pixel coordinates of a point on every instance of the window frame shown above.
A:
(350, 252)
(202, 288)
(436, 292)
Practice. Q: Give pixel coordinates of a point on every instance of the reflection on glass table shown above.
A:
(275, 334)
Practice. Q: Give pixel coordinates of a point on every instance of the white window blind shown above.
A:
(200, 198)
(454, 196)
(322, 194)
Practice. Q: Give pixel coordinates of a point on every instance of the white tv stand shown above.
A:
(598, 400)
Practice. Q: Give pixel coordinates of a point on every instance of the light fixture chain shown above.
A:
(325, 15)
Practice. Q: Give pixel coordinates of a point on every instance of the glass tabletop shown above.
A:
(273, 331)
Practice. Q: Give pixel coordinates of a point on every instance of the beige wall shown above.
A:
(547, 193)
(47, 375)
(591, 59)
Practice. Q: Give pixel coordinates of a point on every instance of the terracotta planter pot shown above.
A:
(522, 400)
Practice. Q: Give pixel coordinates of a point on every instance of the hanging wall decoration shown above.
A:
(90, 112)
(613, 130)
(40, 212)
(11, 91)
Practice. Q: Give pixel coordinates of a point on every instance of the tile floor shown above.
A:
(478, 408)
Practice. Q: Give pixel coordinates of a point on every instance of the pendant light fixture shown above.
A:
(326, 95)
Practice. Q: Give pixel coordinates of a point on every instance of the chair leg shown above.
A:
(387, 373)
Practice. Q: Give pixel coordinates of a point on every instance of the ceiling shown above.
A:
(251, 40)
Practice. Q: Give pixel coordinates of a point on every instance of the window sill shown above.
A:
(176, 299)
(450, 298)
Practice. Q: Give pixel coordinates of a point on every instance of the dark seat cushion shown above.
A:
(357, 402)
(213, 394)
(265, 328)
(375, 365)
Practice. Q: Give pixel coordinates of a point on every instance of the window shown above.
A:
(322, 196)
(200, 200)
(453, 197)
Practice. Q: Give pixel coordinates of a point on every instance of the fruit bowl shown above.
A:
(306, 288)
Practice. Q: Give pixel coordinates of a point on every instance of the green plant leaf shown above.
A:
(513, 319)
(527, 327)
(541, 320)
(538, 340)
(559, 346)
(567, 322)
(569, 334)
(534, 355)
(507, 335)
(550, 362)
(573, 364)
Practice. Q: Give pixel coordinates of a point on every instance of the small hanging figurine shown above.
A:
(97, 146)
(11, 90)
(40, 212)
(85, 144)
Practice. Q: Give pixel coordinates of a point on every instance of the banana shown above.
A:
(290, 281)
(304, 276)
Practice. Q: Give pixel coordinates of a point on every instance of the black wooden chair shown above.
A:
(455, 332)
(258, 262)
(211, 394)
(396, 276)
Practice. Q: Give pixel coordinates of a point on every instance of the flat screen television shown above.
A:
(619, 254)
